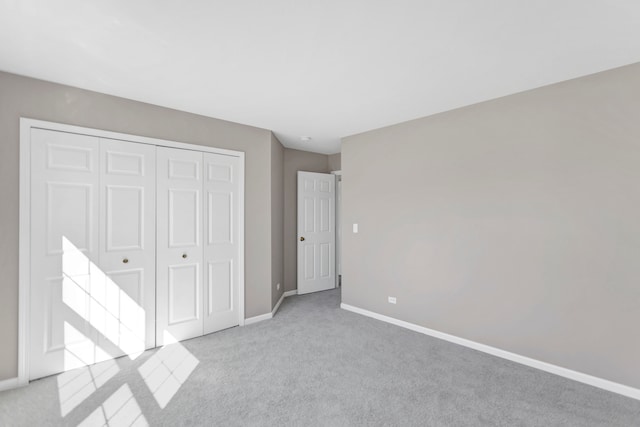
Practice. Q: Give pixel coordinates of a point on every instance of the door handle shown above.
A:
(125, 261)
(302, 239)
(184, 256)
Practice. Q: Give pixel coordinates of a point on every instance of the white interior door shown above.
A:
(316, 232)
(179, 309)
(221, 245)
(127, 298)
(64, 251)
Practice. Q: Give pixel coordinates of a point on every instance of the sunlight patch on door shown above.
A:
(101, 303)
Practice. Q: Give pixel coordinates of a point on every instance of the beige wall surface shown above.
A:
(277, 220)
(294, 161)
(335, 162)
(513, 223)
(25, 97)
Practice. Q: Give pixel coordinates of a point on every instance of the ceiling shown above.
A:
(323, 69)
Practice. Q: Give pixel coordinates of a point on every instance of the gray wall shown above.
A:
(514, 223)
(335, 162)
(277, 220)
(25, 97)
(294, 161)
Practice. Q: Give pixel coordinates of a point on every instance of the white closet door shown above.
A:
(221, 255)
(64, 251)
(125, 304)
(179, 244)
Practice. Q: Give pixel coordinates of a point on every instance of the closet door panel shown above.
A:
(179, 244)
(221, 242)
(127, 247)
(64, 251)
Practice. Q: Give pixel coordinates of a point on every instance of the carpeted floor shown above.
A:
(314, 364)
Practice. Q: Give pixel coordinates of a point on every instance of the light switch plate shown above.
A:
(355, 228)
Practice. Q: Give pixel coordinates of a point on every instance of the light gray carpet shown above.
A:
(314, 364)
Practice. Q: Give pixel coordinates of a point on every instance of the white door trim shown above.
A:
(24, 280)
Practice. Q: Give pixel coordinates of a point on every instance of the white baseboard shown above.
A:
(257, 319)
(268, 316)
(544, 366)
(277, 306)
(9, 384)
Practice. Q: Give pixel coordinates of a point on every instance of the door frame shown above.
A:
(338, 250)
(24, 258)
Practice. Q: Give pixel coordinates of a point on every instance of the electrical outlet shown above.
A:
(392, 300)
(278, 286)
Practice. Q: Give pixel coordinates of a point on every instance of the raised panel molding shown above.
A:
(126, 238)
(65, 212)
(119, 163)
(221, 173)
(187, 223)
(220, 286)
(325, 186)
(309, 215)
(133, 288)
(220, 206)
(309, 261)
(325, 264)
(80, 176)
(183, 169)
(309, 185)
(325, 215)
(67, 158)
(184, 286)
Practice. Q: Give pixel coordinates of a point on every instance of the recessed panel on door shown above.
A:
(125, 217)
(309, 214)
(180, 244)
(316, 232)
(220, 287)
(54, 314)
(184, 217)
(71, 158)
(219, 218)
(309, 272)
(126, 316)
(129, 244)
(221, 250)
(125, 162)
(64, 247)
(184, 294)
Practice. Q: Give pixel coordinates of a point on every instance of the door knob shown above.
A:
(184, 255)
(126, 260)
(302, 239)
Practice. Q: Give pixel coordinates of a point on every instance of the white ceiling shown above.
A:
(325, 68)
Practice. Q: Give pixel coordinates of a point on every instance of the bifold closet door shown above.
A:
(198, 248)
(92, 250)
(221, 249)
(65, 207)
(126, 304)
(179, 255)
